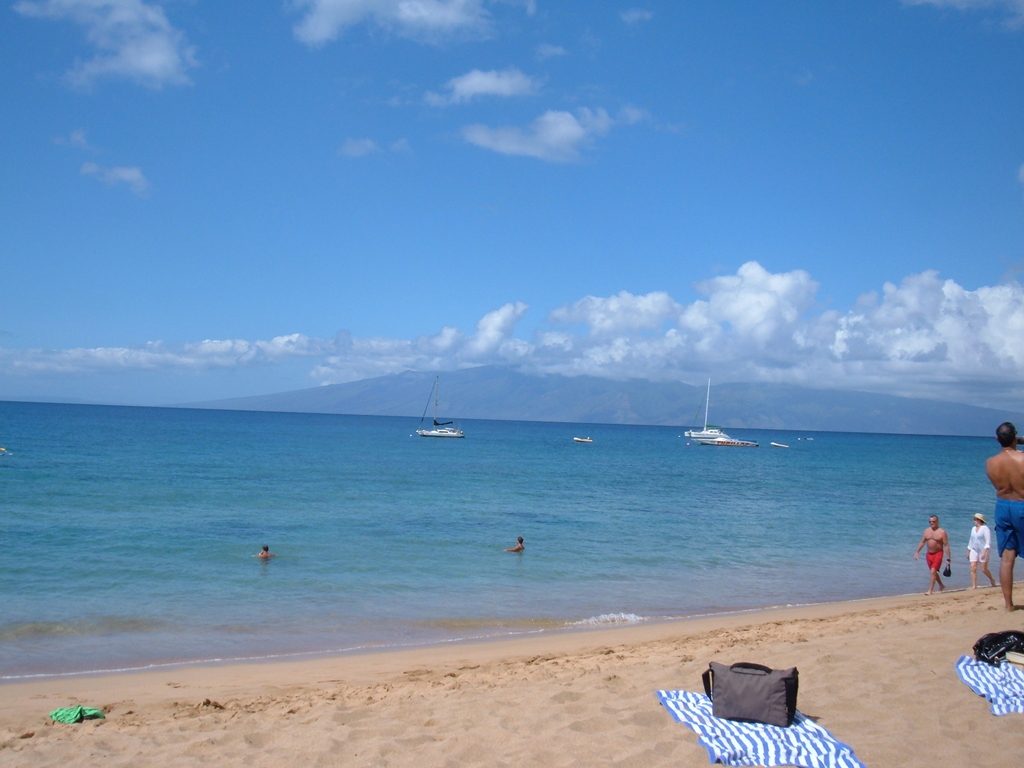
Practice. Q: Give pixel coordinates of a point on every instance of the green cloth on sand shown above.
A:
(75, 714)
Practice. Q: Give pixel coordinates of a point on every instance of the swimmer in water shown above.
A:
(518, 547)
(265, 553)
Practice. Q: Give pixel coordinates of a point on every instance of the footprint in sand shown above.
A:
(566, 697)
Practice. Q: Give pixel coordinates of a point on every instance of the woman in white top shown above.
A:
(978, 548)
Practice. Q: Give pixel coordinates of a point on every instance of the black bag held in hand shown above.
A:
(947, 571)
(992, 648)
(752, 693)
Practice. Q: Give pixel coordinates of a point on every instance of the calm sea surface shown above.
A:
(128, 534)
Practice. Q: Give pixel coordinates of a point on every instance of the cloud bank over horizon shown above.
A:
(926, 337)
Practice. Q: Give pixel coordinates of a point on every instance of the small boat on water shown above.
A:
(440, 428)
(779, 445)
(712, 435)
(582, 440)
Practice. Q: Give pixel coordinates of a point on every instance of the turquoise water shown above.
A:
(128, 534)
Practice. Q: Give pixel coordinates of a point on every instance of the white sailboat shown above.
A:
(713, 435)
(440, 428)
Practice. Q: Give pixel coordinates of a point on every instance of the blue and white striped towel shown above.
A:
(805, 743)
(1003, 686)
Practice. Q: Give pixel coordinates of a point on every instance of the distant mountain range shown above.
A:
(498, 393)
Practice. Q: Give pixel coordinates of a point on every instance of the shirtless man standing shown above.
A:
(1006, 473)
(938, 543)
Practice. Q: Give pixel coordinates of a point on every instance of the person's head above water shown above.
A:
(519, 539)
(1006, 434)
(266, 547)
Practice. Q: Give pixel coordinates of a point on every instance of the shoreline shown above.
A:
(582, 627)
(877, 672)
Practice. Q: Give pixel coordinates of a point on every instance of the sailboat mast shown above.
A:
(437, 396)
(707, 402)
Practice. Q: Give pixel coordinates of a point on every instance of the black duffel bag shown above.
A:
(752, 693)
(992, 648)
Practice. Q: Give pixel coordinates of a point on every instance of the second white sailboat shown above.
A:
(712, 435)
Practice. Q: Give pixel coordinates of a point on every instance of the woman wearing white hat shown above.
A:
(978, 548)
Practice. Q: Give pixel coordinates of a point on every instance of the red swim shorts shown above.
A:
(934, 560)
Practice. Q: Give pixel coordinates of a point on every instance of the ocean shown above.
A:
(128, 534)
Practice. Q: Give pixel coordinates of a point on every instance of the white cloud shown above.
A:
(617, 314)
(555, 136)
(530, 6)
(636, 15)
(465, 88)
(130, 175)
(494, 330)
(759, 307)
(425, 20)
(1015, 7)
(134, 40)
(199, 355)
(965, 5)
(925, 337)
(74, 139)
(341, 358)
(548, 51)
(357, 147)
(632, 115)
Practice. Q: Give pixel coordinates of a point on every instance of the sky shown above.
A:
(202, 199)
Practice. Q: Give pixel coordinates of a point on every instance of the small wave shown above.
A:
(106, 625)
(460, 625)
(607, 618)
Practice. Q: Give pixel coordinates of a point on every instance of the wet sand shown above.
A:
(877, 673)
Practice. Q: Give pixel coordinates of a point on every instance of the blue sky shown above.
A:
(202, 200)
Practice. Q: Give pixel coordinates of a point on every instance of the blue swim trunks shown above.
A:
(1009, 525)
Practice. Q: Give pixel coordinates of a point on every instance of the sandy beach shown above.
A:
(877, 673)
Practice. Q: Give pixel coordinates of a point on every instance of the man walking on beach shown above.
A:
(938, 543)
(1006, 473)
